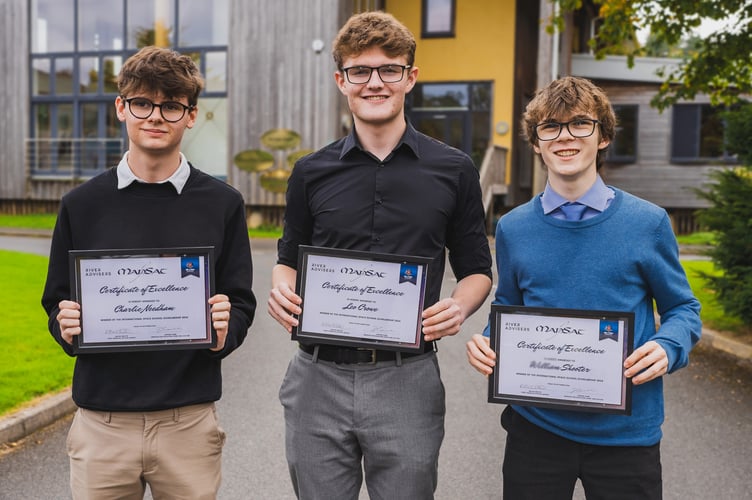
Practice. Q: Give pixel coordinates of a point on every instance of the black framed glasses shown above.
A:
(579, 128)
(171, 111)
(389, 73)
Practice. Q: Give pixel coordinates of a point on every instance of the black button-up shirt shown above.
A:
(422, 199)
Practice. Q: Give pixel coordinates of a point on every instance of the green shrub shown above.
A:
(730, 217)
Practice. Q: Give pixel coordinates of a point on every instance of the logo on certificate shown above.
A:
(409, 273)
(609, 330)
(189, 266)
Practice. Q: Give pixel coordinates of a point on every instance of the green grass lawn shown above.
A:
(31, 362)
(33, 221)
(47, 221)
(712, 314)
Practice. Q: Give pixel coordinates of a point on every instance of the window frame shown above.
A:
(425, 11)
(612, 156)
(692, 118)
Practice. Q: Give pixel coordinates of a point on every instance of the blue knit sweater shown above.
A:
(620, 260)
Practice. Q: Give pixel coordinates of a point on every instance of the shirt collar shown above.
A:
(597, 197)
(178, 179)
(409, 139)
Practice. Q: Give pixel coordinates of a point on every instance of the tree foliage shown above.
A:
(729, 216)
(718, 66)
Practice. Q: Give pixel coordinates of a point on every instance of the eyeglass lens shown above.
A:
(577, 128)
(390, 73)
(142, 108)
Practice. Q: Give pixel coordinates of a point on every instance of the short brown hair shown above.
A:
(561, 98)
(156, 69)
(373, 29)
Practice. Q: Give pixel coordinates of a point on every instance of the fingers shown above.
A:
(69, 319)
(646, 363)
(442, 319)
(220, 316)
(480, 355)
(283, 303)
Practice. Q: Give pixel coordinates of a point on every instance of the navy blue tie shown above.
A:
(573, 210)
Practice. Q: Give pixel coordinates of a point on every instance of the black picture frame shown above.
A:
(380, 308)
(541, 365)
(201, 334)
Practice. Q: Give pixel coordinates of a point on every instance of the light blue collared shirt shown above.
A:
(178, 179)
(597, 199)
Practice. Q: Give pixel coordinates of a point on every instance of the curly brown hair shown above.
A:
(373, 29)
(565, 97)
(160, 70)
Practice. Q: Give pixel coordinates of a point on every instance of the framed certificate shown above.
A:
(143, 300)
(561, 358)
(360, 299)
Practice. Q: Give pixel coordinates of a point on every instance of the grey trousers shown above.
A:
(389, 417)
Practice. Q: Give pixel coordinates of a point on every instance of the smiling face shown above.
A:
(570, 159)
(376, 104)
(154, 135)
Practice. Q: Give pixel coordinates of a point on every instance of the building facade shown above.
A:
(268, 67)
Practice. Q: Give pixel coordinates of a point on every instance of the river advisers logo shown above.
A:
(409, 273)
(189, 266)
(609, 330)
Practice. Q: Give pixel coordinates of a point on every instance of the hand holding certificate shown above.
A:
(143, 299)
(561, 358)
(361, 299)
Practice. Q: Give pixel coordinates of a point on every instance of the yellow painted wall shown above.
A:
(482, 50)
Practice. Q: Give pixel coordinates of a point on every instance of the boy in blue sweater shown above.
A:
(616, 252)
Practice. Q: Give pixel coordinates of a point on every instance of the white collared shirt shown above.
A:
(178, 179)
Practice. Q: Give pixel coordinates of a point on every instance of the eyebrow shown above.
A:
(571, 118)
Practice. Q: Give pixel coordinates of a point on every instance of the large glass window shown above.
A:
(697, 134)
(203, 23)
(458, 114)
(623, 149)
(150, 22)
(100, 25)
(52, 26)
(77, 50)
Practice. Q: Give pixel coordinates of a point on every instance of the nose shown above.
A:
(375, 79)
(565, 130)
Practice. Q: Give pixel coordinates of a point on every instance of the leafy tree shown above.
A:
(718, 66)
(730, 217)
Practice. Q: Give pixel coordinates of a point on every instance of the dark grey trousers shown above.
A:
(386, 420)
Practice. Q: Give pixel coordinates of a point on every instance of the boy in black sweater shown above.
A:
(149, 417)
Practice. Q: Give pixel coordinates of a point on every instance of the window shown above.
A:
(623, 148)
(697, 134)
(438, 18)
(77, 50)
(458, 114)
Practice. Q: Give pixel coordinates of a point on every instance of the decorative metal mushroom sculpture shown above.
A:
(273, 168)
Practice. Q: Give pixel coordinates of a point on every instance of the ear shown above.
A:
(536, 149)
(120, 108)
(339, 78)
(192, 115)
(412, 78)
(603, 144)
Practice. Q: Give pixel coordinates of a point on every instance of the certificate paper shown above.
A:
(561, 358)
(361, 299)
(143, 299)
